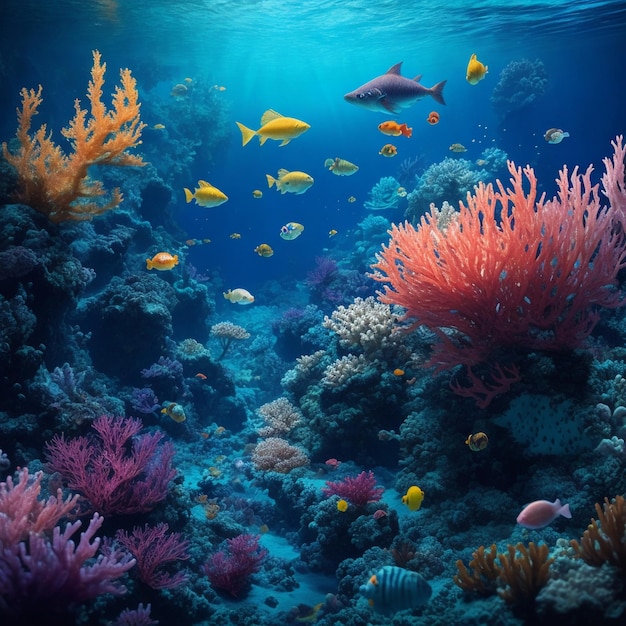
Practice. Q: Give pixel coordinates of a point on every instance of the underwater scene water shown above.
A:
(312, 312)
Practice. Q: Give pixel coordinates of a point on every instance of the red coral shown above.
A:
(512, 270)
(359, 489)
(231, 571)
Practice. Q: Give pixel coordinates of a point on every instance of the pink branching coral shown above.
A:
(44, 567)
(117, 471)
(230, 571)
(512, 270)
(359, 490)
(154, 548)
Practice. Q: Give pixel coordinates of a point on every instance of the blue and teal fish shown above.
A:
(391, 91)
(394, 589)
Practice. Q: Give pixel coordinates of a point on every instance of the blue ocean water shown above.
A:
(237, 59)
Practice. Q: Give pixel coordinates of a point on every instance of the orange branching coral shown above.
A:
(485, 572)
(517, 579)
(57, 184)
(523, 576)
(606, 542)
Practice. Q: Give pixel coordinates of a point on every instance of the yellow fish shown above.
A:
(274, 126)
(159, 126)
(457, 147)
(257, 193)
(206, 195)
(291, 231)
(341, 167)
(292, 182)
(477, 441)
(174, 410)
(332, 232)
(351, 199)
(239, 296)
(162, 261)
(413, 498)
(475, 71)
(235, 236)
(264, 250)
(342, 505)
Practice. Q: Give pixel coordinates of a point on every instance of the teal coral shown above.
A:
(383, 195)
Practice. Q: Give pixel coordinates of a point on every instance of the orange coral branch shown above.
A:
(605, 543)
(57, 184)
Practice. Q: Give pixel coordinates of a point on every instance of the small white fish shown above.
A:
(239, 296)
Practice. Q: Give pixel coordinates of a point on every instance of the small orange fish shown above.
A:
(433, 118)
(162, 261)
(394, 129)
(201, 376)
(388, 150)
(205, 435)
(398, 372)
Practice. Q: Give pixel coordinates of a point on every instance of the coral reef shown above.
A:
(57, 185)
(520, 84)
(383, 195)
(449, 181)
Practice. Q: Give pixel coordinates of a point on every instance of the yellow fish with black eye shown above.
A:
(264, 250)
(413, 498)
(475, 71)
(274, 126)
(206, 195)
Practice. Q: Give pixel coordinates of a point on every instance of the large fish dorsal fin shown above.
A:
(270, 115)
(282, 172)
(395, 69)
(418, 78)
(203, 183)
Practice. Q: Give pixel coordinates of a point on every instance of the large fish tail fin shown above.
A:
(246, 133)
(270, 181)
(188, 195)
(437, 92)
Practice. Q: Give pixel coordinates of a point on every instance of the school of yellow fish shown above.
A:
(277, 127)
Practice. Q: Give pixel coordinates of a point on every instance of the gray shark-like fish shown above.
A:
(391, 92)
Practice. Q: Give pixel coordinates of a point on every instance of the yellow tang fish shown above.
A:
(206, 195)
(162, 261)
(475, 71)
(257, 193)
(264, 250)
(292, 182)
(413, 498)
(239, 296)
(341, 167)
(274, 126)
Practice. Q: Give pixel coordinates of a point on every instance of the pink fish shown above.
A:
(540, 513)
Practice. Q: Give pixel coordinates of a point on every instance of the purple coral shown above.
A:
(322, 273)
(154, 548)
(118, 472)
(41, 575)
(359, 490)
(144, 400)
(231, 571)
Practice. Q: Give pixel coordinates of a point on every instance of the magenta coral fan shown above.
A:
(231, 571)
(359, 490)
(113, 474)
